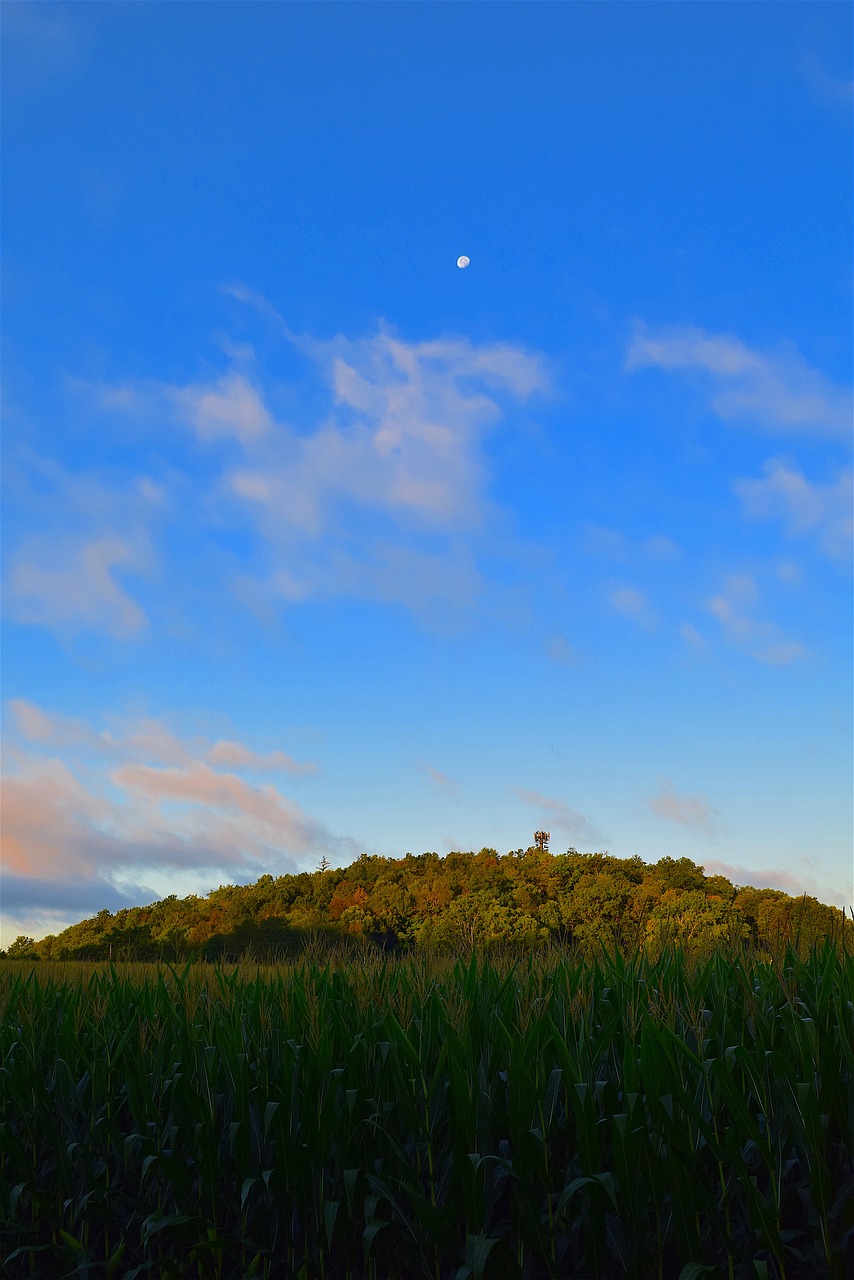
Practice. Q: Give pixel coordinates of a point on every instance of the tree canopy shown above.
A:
(525, 898)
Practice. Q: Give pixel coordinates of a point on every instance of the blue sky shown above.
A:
(316, 544)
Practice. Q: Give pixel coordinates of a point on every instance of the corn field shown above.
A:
(428, 1118)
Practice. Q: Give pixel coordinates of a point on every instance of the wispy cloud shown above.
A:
(440, 780)
(42, 43)
(560, 815)
(692, 638)
(559, 650)
(824, 510)
(834, 90)
(631, 603)
(236, 755)
(79, 586)
(734, 610)
(692, 811)
(148, 740)
(230, 406)
(610, 544)
(81, 571)
(778, 390)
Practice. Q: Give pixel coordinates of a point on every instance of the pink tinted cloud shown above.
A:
(47, 813)
(199, 784)
(148, 740)
(439, 779)
(561, 815)
(789, 881)
(140, 798)
(692, 811)
(37, 725)
(238, 756)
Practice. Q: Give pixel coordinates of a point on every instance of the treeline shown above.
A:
(522, 899)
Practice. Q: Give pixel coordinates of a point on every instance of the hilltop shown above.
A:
(526, 898)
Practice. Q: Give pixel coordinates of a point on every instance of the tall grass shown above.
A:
(542, 1118)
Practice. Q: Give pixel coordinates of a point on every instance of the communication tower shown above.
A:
(541, 840)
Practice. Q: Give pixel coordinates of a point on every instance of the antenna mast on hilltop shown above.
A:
(541, 840)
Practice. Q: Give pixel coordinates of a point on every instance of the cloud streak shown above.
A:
(778, 391)
(733, 608)
(633, 604)
(439, 780)
(561, 815)
(691, 811)
(238, 756)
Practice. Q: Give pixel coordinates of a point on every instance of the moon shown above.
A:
(463, 261)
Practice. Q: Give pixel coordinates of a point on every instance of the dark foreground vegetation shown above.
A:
(525, 899)
(545, 1116)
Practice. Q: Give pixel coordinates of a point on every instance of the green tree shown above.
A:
(22, 948)
(694, 921)
(596, 908)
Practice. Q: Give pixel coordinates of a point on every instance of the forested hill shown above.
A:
(527, 898)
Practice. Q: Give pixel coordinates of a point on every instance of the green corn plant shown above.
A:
(552, 1117)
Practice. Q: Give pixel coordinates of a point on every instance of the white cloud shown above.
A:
(560, 815)
(403, 436)
(805, 508)
(734, 610)
(692, 811)
(779, 391)
(384, 494)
